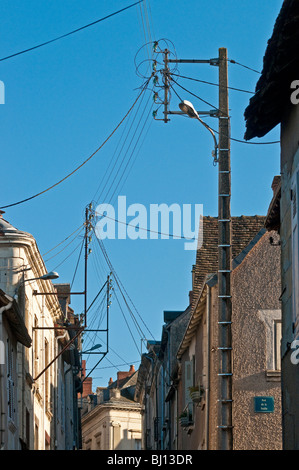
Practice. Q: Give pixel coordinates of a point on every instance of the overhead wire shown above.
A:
(144, 31)
(211, 83)
(133, 150)
(64, 248)
(69, 33)
(77, 265)
(91, 339)
(122, 147)
(85, 161)
(117, 365)
(242, 65)
(108, 261)
(196, 96)
(143, 336)
(65, 239)
(214, 130)
(156, 232)
(120, 285)
(67, 257)
(126, 321)
(104, 177)
(136, 154)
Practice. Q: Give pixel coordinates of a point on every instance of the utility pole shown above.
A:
(224, 261)
(166, 84)
(87, 223)
(85, 263)
(225, 427)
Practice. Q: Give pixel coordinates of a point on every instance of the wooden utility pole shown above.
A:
(225, 262)
(166, 84)
(225, 426)
(85, 264)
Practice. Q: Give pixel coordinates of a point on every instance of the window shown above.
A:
(272, 322)
(189, 382)
(137, 444)
(277, 344)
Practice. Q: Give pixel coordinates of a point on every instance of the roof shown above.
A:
(280, 68)
(7, 229)
(116, 402)
(170, 315)
(125, 382)
(244, 229)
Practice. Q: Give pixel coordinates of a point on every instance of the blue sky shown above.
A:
(64, 99)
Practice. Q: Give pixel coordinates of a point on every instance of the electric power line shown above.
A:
(85, 161)
(231, 138)
(157, 232)
(211, 83)
(69, 33)
(56, 254)
(242, 65)
(56, 246)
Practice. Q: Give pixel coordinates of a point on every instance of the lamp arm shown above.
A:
(213, 135)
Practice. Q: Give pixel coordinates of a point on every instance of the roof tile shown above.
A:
(244, 229)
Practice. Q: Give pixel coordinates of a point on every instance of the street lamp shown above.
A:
(46, 277)
(96, 346)
(188, 108)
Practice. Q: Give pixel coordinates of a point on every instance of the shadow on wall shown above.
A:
(126, 442)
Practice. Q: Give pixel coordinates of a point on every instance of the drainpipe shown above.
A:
(207, 391)
(2, 384)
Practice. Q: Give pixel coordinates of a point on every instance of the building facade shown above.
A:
(178, 379)
(156, 387)
(276, 103)
(256, 336)
(111, 418)
(32, 396)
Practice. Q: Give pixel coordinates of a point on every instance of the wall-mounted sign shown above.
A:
(263, 404)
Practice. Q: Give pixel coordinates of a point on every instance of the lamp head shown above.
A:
(188, 108)
(96, 346)
(49, 276)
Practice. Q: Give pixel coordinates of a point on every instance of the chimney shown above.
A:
(87, 384)
(123, 375)
(1, 213)
(110, 381)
